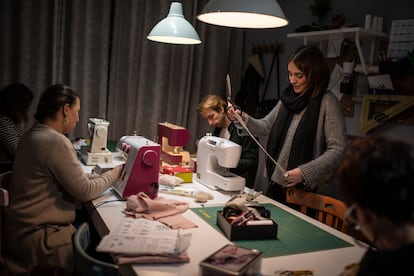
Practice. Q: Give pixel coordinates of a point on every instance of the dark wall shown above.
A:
(298, 13)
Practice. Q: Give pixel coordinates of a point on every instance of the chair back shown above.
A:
(5, 178)
(4, 197)
(4, 201)
(85, 263)
(326, 209)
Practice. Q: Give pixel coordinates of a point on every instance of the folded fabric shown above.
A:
(164, 210)
(155, 208)
(178, 222)
(169, 180)
(152, 259)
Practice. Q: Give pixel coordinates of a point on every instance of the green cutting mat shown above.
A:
(294, 235)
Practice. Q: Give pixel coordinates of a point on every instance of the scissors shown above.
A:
(228, 86)
(240, 120)
(382, 56)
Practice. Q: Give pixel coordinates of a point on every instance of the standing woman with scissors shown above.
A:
(306, 128)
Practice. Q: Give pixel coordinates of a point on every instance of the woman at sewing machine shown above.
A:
(306, 128)
(213, 108)
(47, 183)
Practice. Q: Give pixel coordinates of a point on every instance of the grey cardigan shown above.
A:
(329, 145)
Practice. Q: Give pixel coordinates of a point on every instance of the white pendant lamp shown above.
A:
(174, 29)
(255, 14)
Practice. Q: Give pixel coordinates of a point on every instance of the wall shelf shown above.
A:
(399, 103)
(356, 34)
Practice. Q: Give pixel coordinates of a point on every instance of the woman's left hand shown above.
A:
(293, 177)
(232, 111)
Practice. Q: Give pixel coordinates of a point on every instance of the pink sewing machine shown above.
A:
(173, 138)
(141, 169)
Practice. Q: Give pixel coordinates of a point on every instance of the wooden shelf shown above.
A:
(355, 34)
(399, 103)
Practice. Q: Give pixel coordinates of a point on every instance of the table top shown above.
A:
(206, 240)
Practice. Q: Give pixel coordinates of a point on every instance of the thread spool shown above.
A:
(380, 23)
(368, 19)
(374, 23)
(348, 67)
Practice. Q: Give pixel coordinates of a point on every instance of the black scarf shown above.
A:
(303, 142)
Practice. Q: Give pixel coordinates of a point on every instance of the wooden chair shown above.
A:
(4, 201)
(328, 210)
(86, 264)
(5, 179)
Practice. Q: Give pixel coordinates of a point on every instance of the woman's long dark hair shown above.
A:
(16, 99)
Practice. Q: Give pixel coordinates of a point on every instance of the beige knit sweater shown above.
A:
(47, 183)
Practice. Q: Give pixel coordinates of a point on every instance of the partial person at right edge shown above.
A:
(375, 180)
(306, 128)
(16, 99)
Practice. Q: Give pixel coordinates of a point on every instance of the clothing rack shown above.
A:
(268, 47)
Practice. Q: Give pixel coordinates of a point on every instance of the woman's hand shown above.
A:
(231, 111)
(293, 177)
(117, 171)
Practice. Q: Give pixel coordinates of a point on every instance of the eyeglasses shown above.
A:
(352, 221)
(350, 217)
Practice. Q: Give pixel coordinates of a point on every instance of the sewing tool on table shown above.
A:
(200, 196)
(242, 123)
(174, 159)
(172, 139)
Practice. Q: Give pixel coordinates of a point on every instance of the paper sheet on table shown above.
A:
(144, 237)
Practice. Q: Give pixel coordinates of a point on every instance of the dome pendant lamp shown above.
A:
(254, 14)
(174, 29)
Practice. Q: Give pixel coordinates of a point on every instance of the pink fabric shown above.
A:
(177, 222)
(164, 210)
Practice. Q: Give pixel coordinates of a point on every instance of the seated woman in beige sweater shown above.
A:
(48, 182)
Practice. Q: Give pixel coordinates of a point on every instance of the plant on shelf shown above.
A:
(320, 8)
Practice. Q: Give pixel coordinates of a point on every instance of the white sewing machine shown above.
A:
(141, 169)
(215, 156)
(97, 151)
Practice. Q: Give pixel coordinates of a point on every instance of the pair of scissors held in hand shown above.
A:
(382, 56)
(243, 124)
